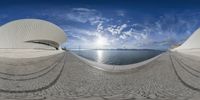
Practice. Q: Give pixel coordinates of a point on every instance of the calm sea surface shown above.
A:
(117, 57)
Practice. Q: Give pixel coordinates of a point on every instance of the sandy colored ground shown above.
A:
(63, 76)
(27, 53)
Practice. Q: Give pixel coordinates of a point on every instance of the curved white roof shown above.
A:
(15, 34)
(193, 42)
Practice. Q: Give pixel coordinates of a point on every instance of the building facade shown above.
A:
(31, 34)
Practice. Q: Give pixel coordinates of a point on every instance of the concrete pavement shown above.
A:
(64, 76)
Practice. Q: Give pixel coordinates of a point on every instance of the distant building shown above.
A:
(31, 34)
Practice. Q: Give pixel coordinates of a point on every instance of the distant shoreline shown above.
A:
(121, 49)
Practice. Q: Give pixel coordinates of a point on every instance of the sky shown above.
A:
(112, 24)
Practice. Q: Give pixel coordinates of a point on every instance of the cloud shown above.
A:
(83, 15)
(129, 32)
(80, 31)
(100, 27)
(83, 10)
(121, 13)
(80, 15)
(114, 29)
(152, 31)
(123, 36)
(144, 36)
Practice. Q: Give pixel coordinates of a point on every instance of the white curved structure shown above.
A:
(193, 42)
(31, 33)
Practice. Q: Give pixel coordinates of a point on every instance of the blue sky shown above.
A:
(110, 24)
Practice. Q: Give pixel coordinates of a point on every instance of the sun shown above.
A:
(101, 41)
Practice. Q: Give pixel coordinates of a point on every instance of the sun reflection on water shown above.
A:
(99, 55)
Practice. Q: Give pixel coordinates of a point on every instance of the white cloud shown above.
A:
(114, 29)
(141, 34)
(144, 36)
(85, 32)
(123, 36)
(85, 15)
(100, 27)
(136, 37)
(129, 32)
(84, 9)
(82, 15)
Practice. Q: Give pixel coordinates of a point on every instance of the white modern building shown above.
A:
(31, 34)
(193, 42)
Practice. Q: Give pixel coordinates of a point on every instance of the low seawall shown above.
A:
(115, 68)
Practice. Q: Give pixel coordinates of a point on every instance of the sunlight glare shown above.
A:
(101, 41)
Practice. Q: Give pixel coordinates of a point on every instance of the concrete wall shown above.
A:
(15, 34)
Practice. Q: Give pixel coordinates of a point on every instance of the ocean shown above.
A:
(118, 57)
